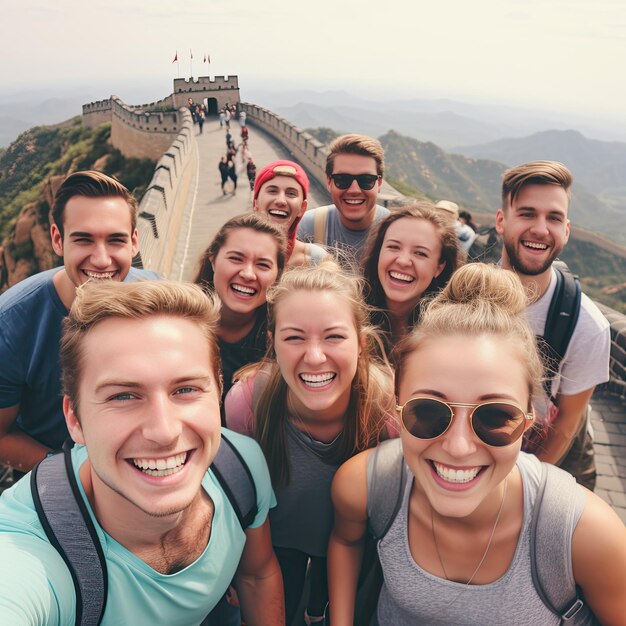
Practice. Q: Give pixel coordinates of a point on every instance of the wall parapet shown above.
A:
(617, 364)
(162, 206)
(307, 150)
(203, 83)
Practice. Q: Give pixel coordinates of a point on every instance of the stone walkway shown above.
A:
(608, 418)
(207, 207)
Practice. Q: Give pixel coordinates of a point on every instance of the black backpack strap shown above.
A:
(560, 322)
(386, 480)
(68, 526)
(235, 478)
(558, 498)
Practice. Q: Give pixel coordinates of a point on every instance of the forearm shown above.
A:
(569, 422)
(261, 598)
(344, 564)
(20, 451)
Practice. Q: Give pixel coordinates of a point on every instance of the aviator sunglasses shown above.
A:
(496, 424)
(364, 181)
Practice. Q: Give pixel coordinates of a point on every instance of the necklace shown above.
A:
(493, 532)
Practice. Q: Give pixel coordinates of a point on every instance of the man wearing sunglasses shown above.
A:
(354, 175)
(534, 226)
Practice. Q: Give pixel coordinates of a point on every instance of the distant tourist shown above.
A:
(281, 193)
(354, 173)
(251, 172)
(466, 218)
(242, 119)
(94, 229)
(465, 234)
(223, 168)
(200, 117)
(534, 226)
(411, 255)
(232, 171)
(244, 134)
(141, 378)
(222, 118)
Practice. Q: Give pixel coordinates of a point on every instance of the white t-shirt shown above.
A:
(586, 360)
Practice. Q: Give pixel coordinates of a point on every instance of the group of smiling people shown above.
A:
(388, 385)
(323, 360)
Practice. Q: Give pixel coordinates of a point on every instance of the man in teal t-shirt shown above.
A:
(141, 387)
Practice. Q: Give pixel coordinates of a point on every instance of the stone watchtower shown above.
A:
(217, 92)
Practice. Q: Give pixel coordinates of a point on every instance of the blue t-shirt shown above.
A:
(36, 587)
(31, 318)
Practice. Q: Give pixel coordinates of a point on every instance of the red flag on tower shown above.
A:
(209, 59)
(204, 59)
(175, 57)
(190, 53)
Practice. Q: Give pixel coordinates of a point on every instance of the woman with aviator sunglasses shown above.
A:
(459, 548)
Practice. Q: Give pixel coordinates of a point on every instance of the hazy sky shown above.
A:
(567, 55)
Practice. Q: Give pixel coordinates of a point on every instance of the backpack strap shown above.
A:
(68, 526)
(319, 225)
(235, 478)
(560, 322)
(558, 499)
(386, 480)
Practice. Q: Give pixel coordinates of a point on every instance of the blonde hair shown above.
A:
(480, 299)
(371, 397)
(97, 301)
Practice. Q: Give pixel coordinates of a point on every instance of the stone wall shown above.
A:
(306, 150)
(162, 206)
(617, 382)
(96, 113)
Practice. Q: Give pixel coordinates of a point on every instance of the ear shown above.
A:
(500, 221)
(328, 182)
(212, 262)
(440, 268)
(71, 419)
(134, 239)
(305, 203)
(380, 183)
(567, 230)
(254, 205)
(57, 240)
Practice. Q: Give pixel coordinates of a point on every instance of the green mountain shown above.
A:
(31, 168)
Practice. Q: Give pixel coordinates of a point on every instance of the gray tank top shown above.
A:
(303, 518)
(411, 596)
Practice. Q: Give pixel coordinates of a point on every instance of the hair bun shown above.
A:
(480, 284)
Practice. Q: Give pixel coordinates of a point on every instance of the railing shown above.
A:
(617, 371)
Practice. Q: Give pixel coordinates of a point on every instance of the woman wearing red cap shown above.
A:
(281, 190)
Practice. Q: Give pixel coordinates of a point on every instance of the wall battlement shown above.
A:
(204, 83)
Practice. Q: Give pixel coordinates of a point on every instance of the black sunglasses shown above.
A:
(495, 423)
(364, 181)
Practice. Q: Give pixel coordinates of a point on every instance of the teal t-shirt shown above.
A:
(36, 587)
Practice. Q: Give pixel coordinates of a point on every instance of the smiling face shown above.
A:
(282, 200)
(317, 350)
(457, 471)
(98, 241)
(245, 266)
(149, 414)
(534, 228)
(409, 260)
(357, 207)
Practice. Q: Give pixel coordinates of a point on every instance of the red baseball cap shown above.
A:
(281, 168)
